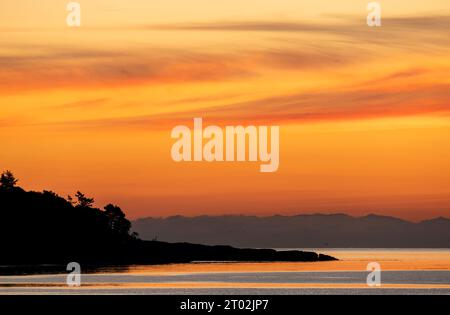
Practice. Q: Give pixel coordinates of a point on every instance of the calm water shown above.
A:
(404, 271)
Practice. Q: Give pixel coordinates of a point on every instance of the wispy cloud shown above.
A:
(347, 41)
(395, 92)
(86, 68)
(349, 25)
(364, 103)
(82, 104)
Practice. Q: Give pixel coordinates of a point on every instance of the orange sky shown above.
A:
(364, 112)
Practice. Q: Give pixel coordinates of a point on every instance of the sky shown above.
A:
(363, 112)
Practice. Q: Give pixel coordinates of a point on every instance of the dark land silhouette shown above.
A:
(44, 228)
(299, 231)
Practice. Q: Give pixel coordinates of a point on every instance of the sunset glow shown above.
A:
(363, 112)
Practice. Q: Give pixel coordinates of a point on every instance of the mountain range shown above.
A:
(299, 231)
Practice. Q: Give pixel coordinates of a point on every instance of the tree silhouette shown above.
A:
(33, 224)
(39, 228)
(7, 180)
(70, 200)
(117, 221)
(83, 201)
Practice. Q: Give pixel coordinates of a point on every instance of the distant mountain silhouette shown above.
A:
(300, 231)
(44, 228)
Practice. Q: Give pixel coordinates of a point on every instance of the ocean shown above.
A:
(403, 271)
